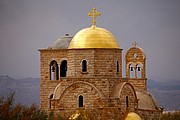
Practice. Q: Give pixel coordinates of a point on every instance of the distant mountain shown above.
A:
(166, 93)
(27, 91)
(167, 85)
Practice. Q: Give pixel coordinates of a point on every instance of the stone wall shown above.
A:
(127, 98)
(105, 62)
(75, 62)
(140, 83)
(99, 62)
(96, 85)
(47, 86)
(149, 114)
(107, 113)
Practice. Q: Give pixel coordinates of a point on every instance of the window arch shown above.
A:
(80, 100)
(50, 101)
(84, 66)
(63, 68)
(54, 74)
(138, 70)
(117, 66)
(131, 71)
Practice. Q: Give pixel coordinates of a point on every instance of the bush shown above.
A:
(11, 111)
(171, 116)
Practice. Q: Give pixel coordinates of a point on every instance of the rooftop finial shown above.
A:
(94, 14)
(135, 44)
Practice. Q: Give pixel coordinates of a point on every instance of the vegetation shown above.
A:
(171, 116)
(11, 111)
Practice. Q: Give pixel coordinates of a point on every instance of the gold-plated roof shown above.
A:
(93, 37)
(132, 116)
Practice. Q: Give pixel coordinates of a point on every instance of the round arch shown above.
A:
(85, 83)
(122, 87)
(58, 92)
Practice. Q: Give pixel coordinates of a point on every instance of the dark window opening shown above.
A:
(127, 101)
(80, 101)
(50, 101)
(84, 66)
(63, 68)
(117, 66)
(54, 74)
(51, 96)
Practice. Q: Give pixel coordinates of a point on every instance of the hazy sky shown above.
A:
(27, 25)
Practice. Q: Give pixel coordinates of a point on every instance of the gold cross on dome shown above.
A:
(135, 44)
(94, 14)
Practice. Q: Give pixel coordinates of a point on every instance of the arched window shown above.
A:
(131, 71)
(50, 101)
(127, 101)
(84, 66)
(138, 70)
(54, 74)
(63, 68)
(117, 66)
(80, 101)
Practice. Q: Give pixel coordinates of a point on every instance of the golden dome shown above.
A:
(132, 116)
(93, 37)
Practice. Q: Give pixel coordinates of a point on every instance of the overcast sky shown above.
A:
(27, 25)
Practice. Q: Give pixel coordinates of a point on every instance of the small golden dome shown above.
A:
(93, 37)
(132, 116)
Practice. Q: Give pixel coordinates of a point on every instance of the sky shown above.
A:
(28, 25)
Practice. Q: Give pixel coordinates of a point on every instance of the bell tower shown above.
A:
(135, 60)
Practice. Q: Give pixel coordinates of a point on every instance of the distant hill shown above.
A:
(166, 93)
(27, 91)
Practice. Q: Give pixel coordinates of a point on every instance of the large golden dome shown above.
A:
(93, 37)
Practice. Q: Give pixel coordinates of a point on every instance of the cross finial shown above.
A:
(94, 14)
(135, 44)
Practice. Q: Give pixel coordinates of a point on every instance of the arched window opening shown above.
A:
(127, 101)
(131, 71)
(80, 101)
(54, 70)
(63, 68)
(138, 71)
(117, 66)
(50, 101)
(84, 66)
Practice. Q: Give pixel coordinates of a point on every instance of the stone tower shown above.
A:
(135, 60)
(84, 72)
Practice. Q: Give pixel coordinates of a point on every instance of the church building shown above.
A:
(84, 73)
